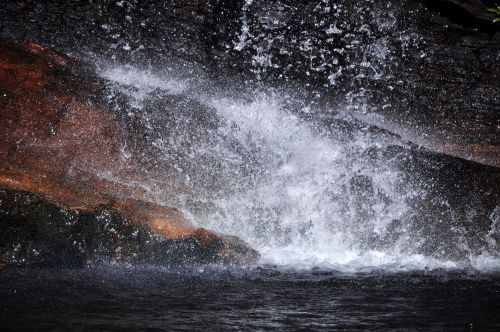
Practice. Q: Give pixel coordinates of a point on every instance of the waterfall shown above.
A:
(303, 192)
(304, 182)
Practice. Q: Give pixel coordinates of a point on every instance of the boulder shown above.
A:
(57, 138)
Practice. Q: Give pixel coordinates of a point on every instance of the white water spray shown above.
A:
(311, 197)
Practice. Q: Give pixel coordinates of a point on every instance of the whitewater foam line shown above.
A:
(374, 261)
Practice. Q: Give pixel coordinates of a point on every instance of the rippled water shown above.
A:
(266, 298)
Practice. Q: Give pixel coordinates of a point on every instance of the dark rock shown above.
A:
(466, 12)
(453, 213)
(460, 202)
(36, 232)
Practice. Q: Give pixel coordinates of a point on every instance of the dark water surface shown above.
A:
(154, 299)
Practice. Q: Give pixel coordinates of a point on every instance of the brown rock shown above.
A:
(56, 136)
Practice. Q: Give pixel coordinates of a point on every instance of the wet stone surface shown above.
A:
(373, 59)
(37, 233)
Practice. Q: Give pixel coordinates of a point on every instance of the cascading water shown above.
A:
(317, 199)
(304, 183)
(301, 192)
(354, 144)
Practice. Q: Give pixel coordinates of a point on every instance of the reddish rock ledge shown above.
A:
(56, 135)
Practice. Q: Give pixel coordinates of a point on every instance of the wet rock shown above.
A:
(57, 139)
(37, 232)
(453, 213)
(426, 70)
(468, 12)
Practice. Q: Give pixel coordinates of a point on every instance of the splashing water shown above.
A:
(303, 207)
(303, 194)
(264, 166)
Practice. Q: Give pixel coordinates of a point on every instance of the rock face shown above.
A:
(466, 11)
(431, 66)
(56, 136)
